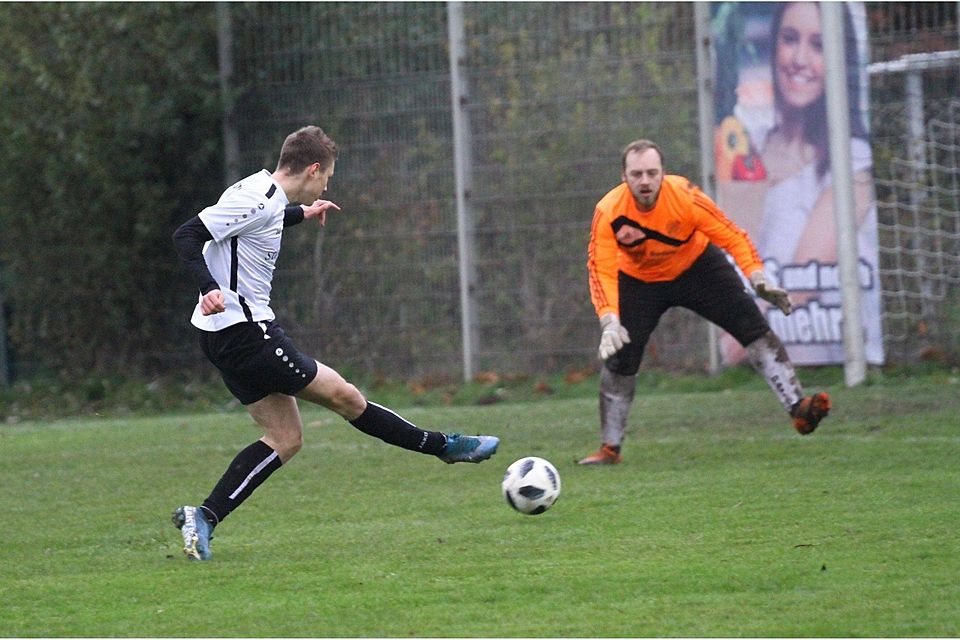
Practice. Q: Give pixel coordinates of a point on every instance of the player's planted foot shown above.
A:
(197, 532)
(605, 455)
(808, 413)
(460, 448)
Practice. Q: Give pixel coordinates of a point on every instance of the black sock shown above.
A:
(383, 423)
(248, 470)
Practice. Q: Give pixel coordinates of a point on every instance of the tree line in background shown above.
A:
(110, 130)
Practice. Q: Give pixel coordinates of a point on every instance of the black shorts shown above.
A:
(710, 288)
(257, 359)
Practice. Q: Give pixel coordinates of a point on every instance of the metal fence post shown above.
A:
(701, 12)
(462, 161)
(838, 119)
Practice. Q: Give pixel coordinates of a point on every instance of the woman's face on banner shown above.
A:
(799, 60)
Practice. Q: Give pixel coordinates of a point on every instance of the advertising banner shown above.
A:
(773, 170)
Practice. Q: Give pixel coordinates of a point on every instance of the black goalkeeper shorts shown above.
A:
(710, 288)
(256, 359)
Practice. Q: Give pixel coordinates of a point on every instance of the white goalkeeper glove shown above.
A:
(774, 295)
(614, 336)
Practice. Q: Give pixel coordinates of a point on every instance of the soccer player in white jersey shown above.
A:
(231, 250)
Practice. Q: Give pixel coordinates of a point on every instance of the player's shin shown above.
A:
(249, 469)
(769, 358)
(616, 397)
(380, 422)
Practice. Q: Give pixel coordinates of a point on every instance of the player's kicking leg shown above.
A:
(461, 448)
(330, 390)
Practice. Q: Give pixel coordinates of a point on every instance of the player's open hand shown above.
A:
(212, 302)
(774, 295)
(319, 210)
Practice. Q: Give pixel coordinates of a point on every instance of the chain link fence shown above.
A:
(555, 91)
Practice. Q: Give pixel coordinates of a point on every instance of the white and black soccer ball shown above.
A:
(531, 485)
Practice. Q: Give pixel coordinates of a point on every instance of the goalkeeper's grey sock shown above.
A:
(248, 470)
(380, 422)
(616, 397)
(769, 357)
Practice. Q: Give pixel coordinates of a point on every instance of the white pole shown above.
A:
(917, 153)
(838, 122)
(701, 13)
(463, 178)
(915, 143)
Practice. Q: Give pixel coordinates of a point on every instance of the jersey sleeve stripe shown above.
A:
(597, 291)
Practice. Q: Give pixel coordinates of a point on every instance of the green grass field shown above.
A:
(720, 522)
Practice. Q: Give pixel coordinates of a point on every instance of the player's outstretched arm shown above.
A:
(319, 210)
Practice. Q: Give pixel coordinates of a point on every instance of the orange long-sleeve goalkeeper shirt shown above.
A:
(658, 245)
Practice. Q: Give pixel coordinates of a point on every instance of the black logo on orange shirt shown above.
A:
(631, 234)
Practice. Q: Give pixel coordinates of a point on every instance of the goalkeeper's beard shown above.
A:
(646, 201)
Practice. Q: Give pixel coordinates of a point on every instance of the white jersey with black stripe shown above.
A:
(247, 226)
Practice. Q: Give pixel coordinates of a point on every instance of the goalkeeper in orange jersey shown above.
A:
(656, 243)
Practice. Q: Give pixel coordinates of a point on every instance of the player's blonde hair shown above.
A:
(305, 146)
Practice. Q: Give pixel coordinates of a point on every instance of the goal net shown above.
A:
(919, 222)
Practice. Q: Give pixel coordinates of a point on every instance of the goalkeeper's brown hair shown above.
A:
(638, 146)
(305, 146)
